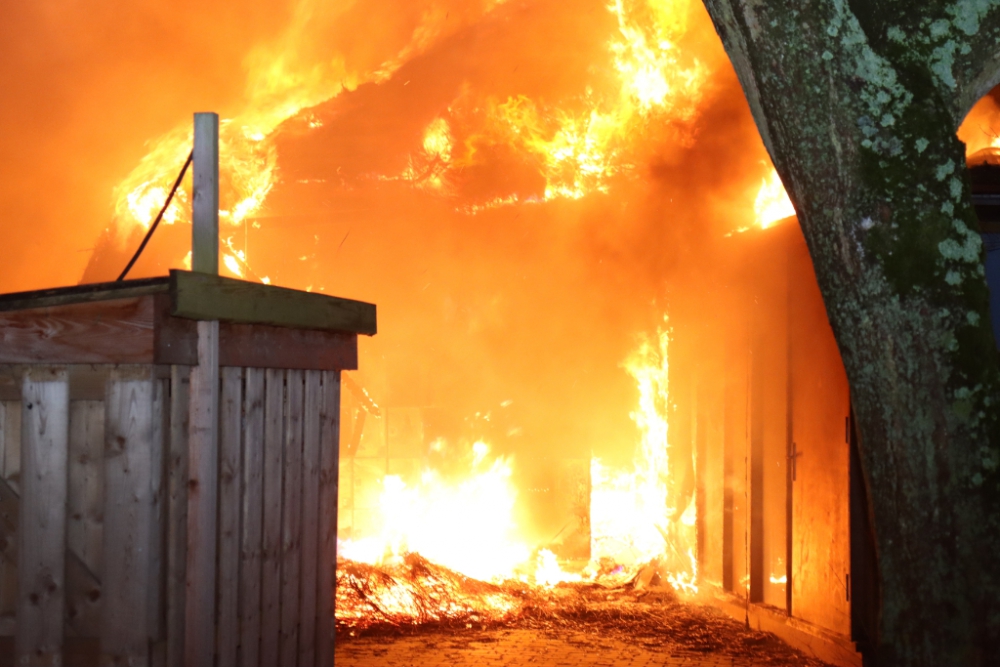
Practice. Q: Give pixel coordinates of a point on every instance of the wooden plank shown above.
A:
(291, 521)
(263, 346)
(86, 482)
(104, 332)
(203, 474)
(328, 483)
(177, 479)
(253, 505)
(270, 615)
(201, 296)
(313, 407)
(230, 437)
(205, 195)
(10, 508)
(85, 511)
(128, 453)
(61, 296)
(42, 520)
(12, 434)
(159, 487)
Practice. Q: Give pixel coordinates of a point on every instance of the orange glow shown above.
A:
(772, 204)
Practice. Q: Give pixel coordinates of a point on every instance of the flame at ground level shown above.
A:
(468, 524)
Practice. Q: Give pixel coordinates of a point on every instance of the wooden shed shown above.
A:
(168, 471)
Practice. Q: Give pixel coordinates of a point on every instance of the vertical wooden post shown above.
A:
(203, 433)
(203, 475)
(205, 208)
(310, 516)
(42, 530)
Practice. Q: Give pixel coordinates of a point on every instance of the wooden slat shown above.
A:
(291, 521)
(12, 433)
(177, 479)
(230, 432)
(85, 529)
(159, 490)
(270, 615)
(10, 508)
(86, 482)
(60, 296)
(103, 332)
(253, 505)
(313, 407)
(262, 346)
(200, 296)
(42, 521)
(128, 452)
(203, 473)
(328, 483)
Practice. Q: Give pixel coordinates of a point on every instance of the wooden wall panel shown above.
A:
(291, 520)
(85, 511)
(821, 499)
(311, 448)
(128, 466)
(117, 331)
(177, 503)
(230, 441)
(253, 506)
(270, 615)
(42, 519)
(328, 481)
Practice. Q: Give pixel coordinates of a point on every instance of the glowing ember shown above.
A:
(772, 204)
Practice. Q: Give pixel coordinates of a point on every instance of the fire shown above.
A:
(466, 525)
(636, 515)
(772, 204)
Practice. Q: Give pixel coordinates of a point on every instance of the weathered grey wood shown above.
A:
(270, 616)
(203, 473)
(12, 434)
(230, 432)
(253, 505)
(313, 408)
(128, 453)
(42, 521)
(264, 346)
(86, 482)
(103, 332)
(205, 205)
(177, 479)
(201, 296)
(328, 484)
(291, 520)
(85, 511)
(159, 489)
(61, 296)
(10, 507)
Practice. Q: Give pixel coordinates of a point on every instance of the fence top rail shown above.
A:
(202, 296)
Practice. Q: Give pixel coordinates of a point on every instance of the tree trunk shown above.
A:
(858, 104)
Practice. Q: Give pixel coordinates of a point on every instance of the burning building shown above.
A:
(601, 340)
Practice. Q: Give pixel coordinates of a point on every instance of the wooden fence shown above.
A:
(168, 513)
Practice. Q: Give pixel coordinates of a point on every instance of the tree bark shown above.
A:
(858, 104)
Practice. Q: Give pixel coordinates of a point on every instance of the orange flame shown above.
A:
(772, 204)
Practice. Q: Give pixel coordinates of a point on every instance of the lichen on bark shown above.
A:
(858, 103)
